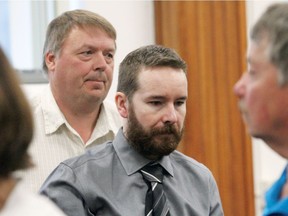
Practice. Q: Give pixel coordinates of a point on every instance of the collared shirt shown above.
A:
(55, 140)
(106, 181)
(274, 205)
(23, 202)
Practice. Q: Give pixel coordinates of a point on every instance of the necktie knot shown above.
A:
(153, 173)
(155, 201)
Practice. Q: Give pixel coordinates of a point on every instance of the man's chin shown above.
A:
(169, 147)
(163, 139)
(254, 133)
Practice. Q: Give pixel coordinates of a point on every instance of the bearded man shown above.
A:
(140, 172)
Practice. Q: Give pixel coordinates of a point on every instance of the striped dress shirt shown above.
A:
(55, 140)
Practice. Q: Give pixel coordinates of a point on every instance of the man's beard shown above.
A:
(156, 142)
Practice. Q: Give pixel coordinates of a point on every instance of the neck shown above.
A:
(6, 187)
(84, 125)
(81, 115)
(279, 146)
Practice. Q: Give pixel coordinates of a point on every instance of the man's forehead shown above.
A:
(161, 87)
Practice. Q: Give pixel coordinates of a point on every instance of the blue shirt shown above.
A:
(274, 205)
(106, 181)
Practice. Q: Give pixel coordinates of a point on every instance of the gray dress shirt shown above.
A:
(106, 181)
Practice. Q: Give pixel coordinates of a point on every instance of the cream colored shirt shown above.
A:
(55, 140)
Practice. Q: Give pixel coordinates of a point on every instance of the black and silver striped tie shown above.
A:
(155, 203)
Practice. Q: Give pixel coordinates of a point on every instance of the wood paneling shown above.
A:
(211, 37)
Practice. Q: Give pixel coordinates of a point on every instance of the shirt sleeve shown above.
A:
(216, 206)
(63, 188)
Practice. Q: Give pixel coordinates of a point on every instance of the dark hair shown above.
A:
(145, 57)
(59, 29)
(273, 27)
(16, 124)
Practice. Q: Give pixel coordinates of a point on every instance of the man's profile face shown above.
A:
(262, 101)
(157, 112)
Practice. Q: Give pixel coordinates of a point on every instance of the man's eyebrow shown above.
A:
(182, 98)
(90, 46)
(159, 97)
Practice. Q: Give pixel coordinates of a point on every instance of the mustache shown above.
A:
(167, 129)
(100, 77)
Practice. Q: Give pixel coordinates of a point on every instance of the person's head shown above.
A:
(16, 124)
(78, 55)
(263, 90)
(59, 29)
(151, 97)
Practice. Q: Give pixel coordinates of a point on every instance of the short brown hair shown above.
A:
(16, 124)
(145, 57)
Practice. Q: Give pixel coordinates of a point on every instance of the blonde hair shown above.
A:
(59, 29)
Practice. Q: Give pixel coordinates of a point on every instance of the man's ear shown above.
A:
(121, 101)
(50, 61)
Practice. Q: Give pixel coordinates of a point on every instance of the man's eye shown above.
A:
(110, 55)
(155, 103)
(252, 72)
(179, 103)
(87, 53)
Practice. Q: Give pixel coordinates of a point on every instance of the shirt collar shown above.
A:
(105, 122)
(273, 204)
(54, 118)
(131, 160)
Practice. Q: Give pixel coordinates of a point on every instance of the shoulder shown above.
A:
(112, 115)
(80, 171)
(22, 202)
(189, 165)
(37, 99)
(96, 156)
(44, 206)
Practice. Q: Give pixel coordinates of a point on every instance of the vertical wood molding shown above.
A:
(211, 37)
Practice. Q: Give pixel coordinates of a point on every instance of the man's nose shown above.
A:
(99, 62)
(239, 87)
(170, 115)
